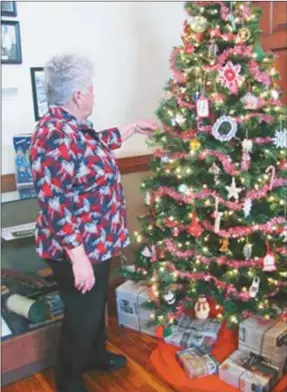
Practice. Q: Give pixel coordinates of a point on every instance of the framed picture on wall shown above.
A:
(10, 42)
(8, 8)
(38, 90)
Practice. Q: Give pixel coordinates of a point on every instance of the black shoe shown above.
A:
(110, 362)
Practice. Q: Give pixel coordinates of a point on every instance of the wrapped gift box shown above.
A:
(195, 364)
(267, 338)
(130, 297)
(249, 372)
(194, 333)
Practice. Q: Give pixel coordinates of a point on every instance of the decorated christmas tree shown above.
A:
(213, 237)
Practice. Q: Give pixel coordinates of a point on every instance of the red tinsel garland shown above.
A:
(205, 193)
(171, 247)
(228, 287)
(259, 76)
(241, 231)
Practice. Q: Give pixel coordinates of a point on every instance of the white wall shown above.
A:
(128, 42)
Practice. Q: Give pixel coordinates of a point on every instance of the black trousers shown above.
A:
(83, 336)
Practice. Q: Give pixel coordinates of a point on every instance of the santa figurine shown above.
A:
(202, 308)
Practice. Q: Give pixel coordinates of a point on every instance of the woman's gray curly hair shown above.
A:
(64, 75)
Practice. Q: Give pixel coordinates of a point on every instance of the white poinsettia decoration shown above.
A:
(280, 138)
(146, 252)
(178, 120)
(247, 145)
(250, 101)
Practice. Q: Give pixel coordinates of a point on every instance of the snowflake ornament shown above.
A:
(247, 207)
(230, 77)
(280, 138)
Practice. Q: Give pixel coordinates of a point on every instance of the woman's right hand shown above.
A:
(84, 276)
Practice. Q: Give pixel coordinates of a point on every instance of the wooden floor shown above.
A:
(139, 376)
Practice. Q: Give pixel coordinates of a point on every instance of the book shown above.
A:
(22, 161)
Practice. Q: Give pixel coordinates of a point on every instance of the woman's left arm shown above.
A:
(142, 127)
(114, 137)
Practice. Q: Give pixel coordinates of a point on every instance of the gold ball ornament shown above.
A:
(244, 34)
(194, 144)
(199, 24)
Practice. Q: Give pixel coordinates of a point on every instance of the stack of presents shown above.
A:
(257, 365)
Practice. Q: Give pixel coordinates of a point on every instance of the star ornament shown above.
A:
(233, 191)
(229, 76)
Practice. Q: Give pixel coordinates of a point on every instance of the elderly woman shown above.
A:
(81, 223)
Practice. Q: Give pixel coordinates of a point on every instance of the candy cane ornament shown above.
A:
(272, 172)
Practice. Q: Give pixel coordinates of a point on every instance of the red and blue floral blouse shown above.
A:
(79, 188)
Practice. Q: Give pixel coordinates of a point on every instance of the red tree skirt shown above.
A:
(164, 360)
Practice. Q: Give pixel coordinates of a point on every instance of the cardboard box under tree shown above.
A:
(130, 298)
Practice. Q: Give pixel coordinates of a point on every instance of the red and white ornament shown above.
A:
(218, 216)
(175, 231)
(269, 260)
(254, 288)
(282, 164)
(229, 75)
(212, 49)
(215, 170)
(272, 171)
(246, 159)
(202, 107)
(195, 228)
(202, 308)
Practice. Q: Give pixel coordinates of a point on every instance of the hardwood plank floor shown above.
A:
(138, 376)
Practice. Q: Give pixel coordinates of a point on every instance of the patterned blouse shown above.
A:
(79, 188)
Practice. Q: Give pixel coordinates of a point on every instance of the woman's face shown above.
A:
(85, 101)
